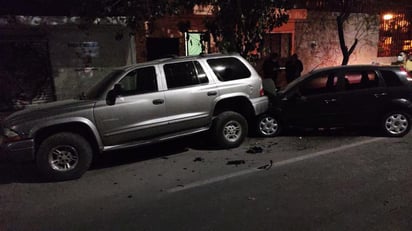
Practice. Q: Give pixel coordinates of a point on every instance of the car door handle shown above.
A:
(211, 93)
(158, 101)
(327, 101)
(377, 95)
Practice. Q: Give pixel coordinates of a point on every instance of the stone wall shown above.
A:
(317, 41)
(81, 57)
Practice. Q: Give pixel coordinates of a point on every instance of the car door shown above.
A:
(365, 96)
(189, 96)
(314, 102)
(139, 110)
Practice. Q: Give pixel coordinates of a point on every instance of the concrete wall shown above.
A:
(317, 41)
(74, 71)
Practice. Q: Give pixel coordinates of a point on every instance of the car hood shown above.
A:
(48, 110)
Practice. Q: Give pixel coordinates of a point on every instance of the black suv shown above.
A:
(361, 95)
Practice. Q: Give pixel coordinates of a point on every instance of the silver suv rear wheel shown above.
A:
(229, 129)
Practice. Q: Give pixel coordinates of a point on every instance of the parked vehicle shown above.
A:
(358, 95)
(135, 105)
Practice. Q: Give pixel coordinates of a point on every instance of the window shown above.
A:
(391, 79)
(395, 34)
(323, 83)
(201, 73)
(361, 80)
(184, 74)
(227, 69)
(142, 80)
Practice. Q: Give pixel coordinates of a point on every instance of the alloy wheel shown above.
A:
(396, 124)
(63, 158)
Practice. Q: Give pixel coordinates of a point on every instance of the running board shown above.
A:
(154, 140)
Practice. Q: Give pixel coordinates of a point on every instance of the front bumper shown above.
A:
(19, 151)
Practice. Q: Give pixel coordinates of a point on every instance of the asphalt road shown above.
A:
(339, 180)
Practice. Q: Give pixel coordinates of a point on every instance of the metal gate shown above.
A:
(25, 74)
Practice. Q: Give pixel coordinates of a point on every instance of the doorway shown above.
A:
(161, 47)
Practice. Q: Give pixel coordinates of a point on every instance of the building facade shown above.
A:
(56, 58)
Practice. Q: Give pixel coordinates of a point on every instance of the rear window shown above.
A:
(184, 74)
(391, 79)
(230, 68)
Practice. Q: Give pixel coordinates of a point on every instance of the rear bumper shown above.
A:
(260, 104)
(20, 151)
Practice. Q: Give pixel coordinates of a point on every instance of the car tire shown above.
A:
(268, 125)
(229, 129)
(396, 124)
(64, 156)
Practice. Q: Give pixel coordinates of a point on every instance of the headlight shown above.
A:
(10, 135)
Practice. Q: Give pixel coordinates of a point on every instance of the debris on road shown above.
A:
(235, 162)
(197, 159)
(254, 150)
(251, 198)
(266, 166)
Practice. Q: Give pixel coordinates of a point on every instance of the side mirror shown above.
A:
(112, 94)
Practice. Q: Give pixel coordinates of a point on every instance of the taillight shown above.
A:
(261, 91)
(408, 74)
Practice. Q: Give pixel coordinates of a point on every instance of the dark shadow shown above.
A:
(337, 131)
(19, 173)
(127, 156)
(27, 173)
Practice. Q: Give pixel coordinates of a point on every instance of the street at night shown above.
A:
(337, 180)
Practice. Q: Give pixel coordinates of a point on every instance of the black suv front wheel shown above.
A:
(64, 156)
(396, 124)
(229, 129)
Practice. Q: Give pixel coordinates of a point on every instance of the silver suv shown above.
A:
(136, 105)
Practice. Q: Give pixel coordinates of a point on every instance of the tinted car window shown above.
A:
(391, 79)
(323, 83)
(361, 80)
(201, 75)
(184, 74)
(139, 81)
(227, 69)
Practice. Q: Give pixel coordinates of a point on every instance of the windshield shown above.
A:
(101, 87)
(295, 82)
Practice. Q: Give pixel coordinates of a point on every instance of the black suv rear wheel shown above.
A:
(396, 124)
(229, 129)
(268, 125)
(64, 156)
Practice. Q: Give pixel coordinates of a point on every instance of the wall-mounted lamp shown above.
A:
(387, 16)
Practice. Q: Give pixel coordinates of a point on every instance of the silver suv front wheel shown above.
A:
(229, 129)
(64, 156)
